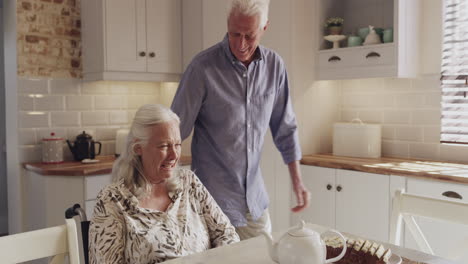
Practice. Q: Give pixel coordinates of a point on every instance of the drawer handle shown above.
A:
(152, 54)
(142, 53)
(452, 194)
(334, 58)
(329, 186)
(372, 54)
(339, 188)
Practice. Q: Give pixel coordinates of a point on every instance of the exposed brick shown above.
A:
(71, 3)
(65, 11)
(75, 63)
(48, 38)
(31, 39)
(26, 6)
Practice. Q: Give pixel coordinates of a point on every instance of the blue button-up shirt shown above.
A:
(230, 107)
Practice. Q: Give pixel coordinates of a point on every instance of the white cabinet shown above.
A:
(442, 236)
(399, 58)
(48, 196)
(350, 201)
(134, 40)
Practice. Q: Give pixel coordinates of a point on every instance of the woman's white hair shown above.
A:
(129, 166)
(250, 8)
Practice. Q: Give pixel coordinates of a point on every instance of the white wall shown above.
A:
(408, 109)
(3, 178)
(11, 106)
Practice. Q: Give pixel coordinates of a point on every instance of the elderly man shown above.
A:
(230, 94)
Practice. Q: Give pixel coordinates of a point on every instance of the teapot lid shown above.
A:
(84, 136)
(301, 230)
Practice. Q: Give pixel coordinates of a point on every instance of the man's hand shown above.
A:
(302, 194)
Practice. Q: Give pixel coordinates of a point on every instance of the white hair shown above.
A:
(129, 166)
(250, 8)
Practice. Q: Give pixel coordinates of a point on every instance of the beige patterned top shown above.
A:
(122, 232)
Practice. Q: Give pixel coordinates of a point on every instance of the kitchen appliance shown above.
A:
(120, 141)
(84, 147)
(52, 149)
(357, 139)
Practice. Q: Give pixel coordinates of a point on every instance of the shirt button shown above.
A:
(248, 150)
(248, 100)
(244, 75)
(248, 125)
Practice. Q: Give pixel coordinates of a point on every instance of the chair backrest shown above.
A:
(406, 206)
(55, 242)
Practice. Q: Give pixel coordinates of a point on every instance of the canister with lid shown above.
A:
(52, 149)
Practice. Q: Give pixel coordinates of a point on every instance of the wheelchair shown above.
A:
(77, 211)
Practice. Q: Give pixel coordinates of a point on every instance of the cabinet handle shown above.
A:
(339, 188)
(372, 54)
(142, 53)
(334, 58)
(452, 194)
(329, 186)
(152, 54)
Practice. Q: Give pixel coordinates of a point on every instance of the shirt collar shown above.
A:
(258, 55)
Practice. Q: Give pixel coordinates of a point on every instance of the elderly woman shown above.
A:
(155, 210)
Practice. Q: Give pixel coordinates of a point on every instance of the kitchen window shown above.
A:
(454, 79)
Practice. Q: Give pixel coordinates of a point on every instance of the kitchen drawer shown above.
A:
(378, 55)
(334, 60)
(441, 190)
(94, 184)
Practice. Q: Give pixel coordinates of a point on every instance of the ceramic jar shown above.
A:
(52, 149)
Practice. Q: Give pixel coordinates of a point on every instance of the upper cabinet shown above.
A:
(397, 58)
(132, 40)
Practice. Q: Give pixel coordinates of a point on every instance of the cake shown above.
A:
(358, 251)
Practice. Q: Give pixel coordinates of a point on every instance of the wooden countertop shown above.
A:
(434, 170)
(75, 168)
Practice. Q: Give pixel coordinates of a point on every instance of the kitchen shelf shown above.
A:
(399, 58)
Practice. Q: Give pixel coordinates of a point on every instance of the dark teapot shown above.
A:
(83, 147)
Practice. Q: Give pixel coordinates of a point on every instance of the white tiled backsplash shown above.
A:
(68, 107)
(409, 111)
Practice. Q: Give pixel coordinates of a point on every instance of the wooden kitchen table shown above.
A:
(255, 251)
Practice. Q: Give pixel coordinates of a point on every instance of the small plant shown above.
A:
(334, 22)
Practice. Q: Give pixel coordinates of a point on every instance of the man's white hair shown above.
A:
(250, 8)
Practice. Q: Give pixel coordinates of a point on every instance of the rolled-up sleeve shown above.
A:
(283, 124)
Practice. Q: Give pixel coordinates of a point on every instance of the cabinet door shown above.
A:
(321, 184)
(164, 34)
(443, 237)
(125, 35)
(362, 204)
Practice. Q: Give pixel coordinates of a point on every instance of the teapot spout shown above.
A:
(272, 246)
(72, 149)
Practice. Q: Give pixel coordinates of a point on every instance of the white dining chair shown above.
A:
(56, 242)
(406, 206)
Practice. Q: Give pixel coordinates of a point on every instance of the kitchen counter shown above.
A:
(434, 170)
(75, 168)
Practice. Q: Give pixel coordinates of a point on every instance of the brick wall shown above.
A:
(48, 33)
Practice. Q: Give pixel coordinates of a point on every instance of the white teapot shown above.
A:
(301, 245)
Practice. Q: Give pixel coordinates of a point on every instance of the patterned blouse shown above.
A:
(122, 232)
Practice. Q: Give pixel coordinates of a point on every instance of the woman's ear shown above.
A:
(137, 149)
